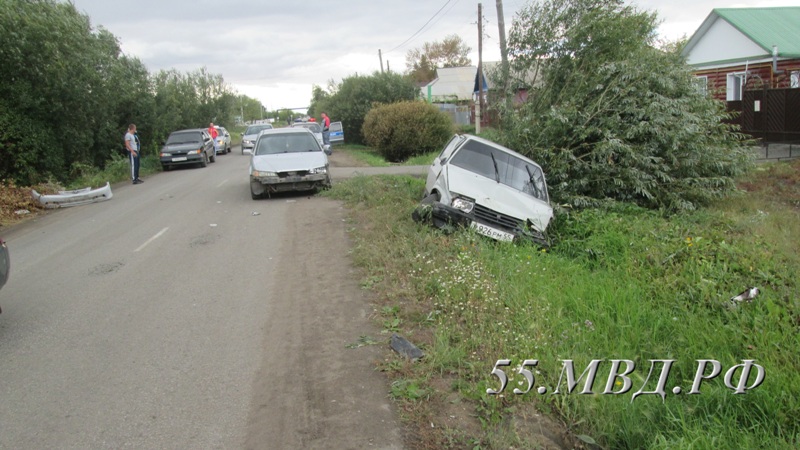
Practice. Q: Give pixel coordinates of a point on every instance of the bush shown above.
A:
(405, 129)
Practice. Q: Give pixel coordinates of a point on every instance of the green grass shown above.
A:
(618, 283)
(118, 169)
(370, 156)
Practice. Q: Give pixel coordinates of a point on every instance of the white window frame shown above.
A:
(735, 86)
(701, 83)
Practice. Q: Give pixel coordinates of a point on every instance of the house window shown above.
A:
(735, 86)
(794, 79)
(701, 84)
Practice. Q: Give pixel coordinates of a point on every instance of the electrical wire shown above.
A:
(421, 28)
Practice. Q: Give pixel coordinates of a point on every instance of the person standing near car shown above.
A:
(326, 129)
(213, 132)
(132, 145)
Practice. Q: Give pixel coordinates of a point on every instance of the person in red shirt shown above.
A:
(326, 126)
(212, 130)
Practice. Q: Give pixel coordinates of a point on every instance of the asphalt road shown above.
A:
(183, 314)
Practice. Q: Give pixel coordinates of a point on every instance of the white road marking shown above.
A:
(223, 182)
(152, 239)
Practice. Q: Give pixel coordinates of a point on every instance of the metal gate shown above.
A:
(772, 115)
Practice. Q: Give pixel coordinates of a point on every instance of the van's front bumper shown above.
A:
(486, 222)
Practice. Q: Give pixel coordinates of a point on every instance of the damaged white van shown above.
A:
(489, 188)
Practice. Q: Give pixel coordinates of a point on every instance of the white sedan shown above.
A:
(287, 159)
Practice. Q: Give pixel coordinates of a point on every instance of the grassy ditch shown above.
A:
(370, 156)
(618, 283)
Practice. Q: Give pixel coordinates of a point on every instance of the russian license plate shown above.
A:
(493, 233)
(179, 159)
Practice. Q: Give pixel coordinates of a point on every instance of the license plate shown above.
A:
(179, 159)
(295, 179)
(493, 233)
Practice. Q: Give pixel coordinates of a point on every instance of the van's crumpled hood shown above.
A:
(286, 162)
(498, 197)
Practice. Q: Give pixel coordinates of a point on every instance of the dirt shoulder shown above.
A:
(317, 386)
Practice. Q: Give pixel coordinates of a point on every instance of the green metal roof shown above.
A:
(767, 27)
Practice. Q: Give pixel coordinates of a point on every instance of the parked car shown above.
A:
(223, 140)
(193, 146)
(5, 264)
(337, 133)
(489, 188)
(251, 133)
(287, 159)
(313, 127)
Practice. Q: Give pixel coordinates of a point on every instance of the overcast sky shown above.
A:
(275, 51)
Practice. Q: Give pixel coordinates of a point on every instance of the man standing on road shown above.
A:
(132, 145)
(326, 129)
(214, 133)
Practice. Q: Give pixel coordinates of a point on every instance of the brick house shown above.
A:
(750, 58)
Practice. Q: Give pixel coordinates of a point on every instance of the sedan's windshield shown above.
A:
(185, 138)
(286, 143)
(255, 129)
(502, 167)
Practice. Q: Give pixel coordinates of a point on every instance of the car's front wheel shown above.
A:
(204, 161)
(166, 168)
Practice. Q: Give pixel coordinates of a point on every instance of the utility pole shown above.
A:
(501, 25)
(479, 105)
(380, 56)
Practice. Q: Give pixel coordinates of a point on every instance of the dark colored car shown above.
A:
(5, 264)
(193, 146)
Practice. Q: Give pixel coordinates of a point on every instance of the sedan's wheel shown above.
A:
(204, 161)
(214, 157)
(253, 195)
(166, 168)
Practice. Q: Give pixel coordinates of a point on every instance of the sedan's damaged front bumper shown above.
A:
(287, 183)
(483, 220)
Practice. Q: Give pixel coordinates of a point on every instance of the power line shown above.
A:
(421, 28)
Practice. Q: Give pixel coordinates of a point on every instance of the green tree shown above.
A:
(61, 82)
(615, 117)
(421, 63)
(320, 99)
(357, 94)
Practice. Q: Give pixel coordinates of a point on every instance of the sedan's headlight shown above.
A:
(264, 173)
(463, 204)
(247, 141)
(322, 169)
(195, 152)
(165, 154)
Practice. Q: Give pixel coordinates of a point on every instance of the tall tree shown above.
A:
(421, 63)
(616, 117)
(357, 94)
